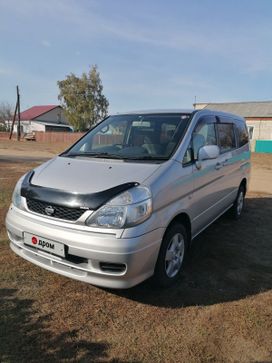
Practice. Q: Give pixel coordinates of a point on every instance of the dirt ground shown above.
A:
(221, 311)
(28, 148)
(261, 173)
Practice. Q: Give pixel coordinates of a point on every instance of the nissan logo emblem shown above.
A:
(49, 210)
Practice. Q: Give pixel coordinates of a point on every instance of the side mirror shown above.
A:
(207, 152)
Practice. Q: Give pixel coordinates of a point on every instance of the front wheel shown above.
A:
(171, 256)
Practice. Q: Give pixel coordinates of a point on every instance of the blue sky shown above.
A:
(150, 53)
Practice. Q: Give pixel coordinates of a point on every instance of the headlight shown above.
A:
(126, 210)
(16, 196)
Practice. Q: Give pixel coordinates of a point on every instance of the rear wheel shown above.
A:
(171, 256)
(239, 203)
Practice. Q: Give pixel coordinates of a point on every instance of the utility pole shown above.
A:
(17, 110)
(19, 116)
(13, 121)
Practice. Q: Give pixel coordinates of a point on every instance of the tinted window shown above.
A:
(250, 130)
(242, 134)
(226, 137)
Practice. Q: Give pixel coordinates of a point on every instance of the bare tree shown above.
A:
(6, 114)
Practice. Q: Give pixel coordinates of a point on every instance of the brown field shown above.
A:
(221, 311)
(27, 148)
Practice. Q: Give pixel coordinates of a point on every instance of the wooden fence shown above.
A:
(50, 137)
(5, 135)
(67, 137)
(54, 137)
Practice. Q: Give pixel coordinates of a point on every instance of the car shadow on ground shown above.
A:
(25, 337)
(228, 261)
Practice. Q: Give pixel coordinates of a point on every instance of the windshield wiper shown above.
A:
(94, 155)
(146, 157)
(105, 155)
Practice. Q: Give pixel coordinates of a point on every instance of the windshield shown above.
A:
(133, 137)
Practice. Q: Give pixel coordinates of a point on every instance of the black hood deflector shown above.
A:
(91, 201)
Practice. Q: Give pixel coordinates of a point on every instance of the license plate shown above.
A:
(44, 244)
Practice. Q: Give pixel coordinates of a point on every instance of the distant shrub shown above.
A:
(3, 128)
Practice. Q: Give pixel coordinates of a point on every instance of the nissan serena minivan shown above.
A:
(125, 201)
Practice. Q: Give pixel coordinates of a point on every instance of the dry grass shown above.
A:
(262, 161)
(30, 148)
(220, 312)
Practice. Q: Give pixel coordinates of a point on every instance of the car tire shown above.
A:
(238, 206)
(171, 256)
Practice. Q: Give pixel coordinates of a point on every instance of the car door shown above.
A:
(229, 160)
(208, 183)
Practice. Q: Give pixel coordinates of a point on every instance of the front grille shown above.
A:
(70, 214)
(76, 259)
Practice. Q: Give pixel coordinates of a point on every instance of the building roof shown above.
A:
(244, 109)
(36, 111)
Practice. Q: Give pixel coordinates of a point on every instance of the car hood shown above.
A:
(90, 175)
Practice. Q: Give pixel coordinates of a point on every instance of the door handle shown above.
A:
(218, 166)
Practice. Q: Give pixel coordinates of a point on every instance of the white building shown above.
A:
(43, 118)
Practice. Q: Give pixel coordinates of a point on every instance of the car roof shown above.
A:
(181, 111)
(156, 111)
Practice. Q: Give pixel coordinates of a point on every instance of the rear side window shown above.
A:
(226, 137)
(242, 134)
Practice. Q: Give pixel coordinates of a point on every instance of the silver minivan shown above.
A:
(125, 201)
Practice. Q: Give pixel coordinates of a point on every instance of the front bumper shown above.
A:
(90, 250)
